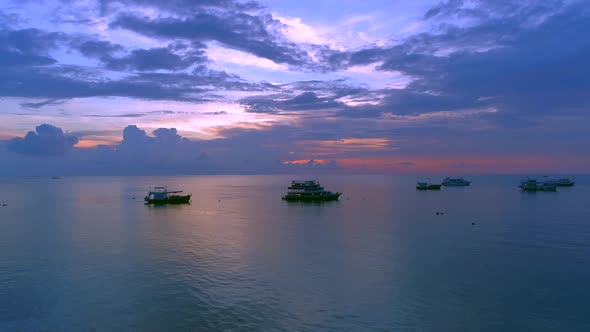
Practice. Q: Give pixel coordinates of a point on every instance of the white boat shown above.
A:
(455, 182)
(534, 185)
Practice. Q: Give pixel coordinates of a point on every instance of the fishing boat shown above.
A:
(309, 190)
(534, 185)
(161, 195)
(427, 186)
(455, 182)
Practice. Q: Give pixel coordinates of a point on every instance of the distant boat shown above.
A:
(455, 182)
(55, 177)
(161, 195)
(427, 186)
(562, 182)
(309, 190)
(534, 185)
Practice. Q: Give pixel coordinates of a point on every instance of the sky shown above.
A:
(122, 87)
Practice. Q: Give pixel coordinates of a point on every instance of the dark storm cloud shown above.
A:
(46, 140)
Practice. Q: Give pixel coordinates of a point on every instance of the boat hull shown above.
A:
(548, 188)
(571, 184)
(170, 200)
(429, 187)
(456, 184)
(303, 198)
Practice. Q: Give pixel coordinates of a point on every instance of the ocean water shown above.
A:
(85, 254)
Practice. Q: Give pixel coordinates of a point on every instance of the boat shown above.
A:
(455, 182)
(309, 190)
(562, 182)
(161, 195)
(534, 185)
(427, 186)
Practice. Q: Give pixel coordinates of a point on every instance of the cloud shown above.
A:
(175, 56)
(27, 47)
(66, 82)
(46, 140)
(187, 7)
(154, 59)
(282, 148)
(302, 102)
(313, 164)
(511, 58)
(257, 34)
(40, 104)
(28, 69)
(9, 19)
(94, 48)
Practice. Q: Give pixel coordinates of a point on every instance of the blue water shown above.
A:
(81, 254)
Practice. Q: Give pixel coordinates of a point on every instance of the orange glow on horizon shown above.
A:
(92, 143)
(346, 145)
(306, 161)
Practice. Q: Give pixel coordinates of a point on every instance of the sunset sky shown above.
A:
(224, 86)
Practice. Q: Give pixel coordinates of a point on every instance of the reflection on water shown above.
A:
(82, 254)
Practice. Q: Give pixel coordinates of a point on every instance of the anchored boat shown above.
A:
(455, 182)
(309, 190)
(562, 182)
(161, 195)
(534, 185)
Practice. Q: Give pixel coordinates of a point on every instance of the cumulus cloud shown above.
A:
(46, 140)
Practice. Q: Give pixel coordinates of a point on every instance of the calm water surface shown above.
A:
(81, 254)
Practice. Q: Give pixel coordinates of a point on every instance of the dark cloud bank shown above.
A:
(49, 150)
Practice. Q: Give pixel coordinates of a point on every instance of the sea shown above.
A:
(86, 254)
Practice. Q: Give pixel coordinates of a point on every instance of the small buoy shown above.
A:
(441, 213)
(472, 223)
(437, 213)
(219, 200)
